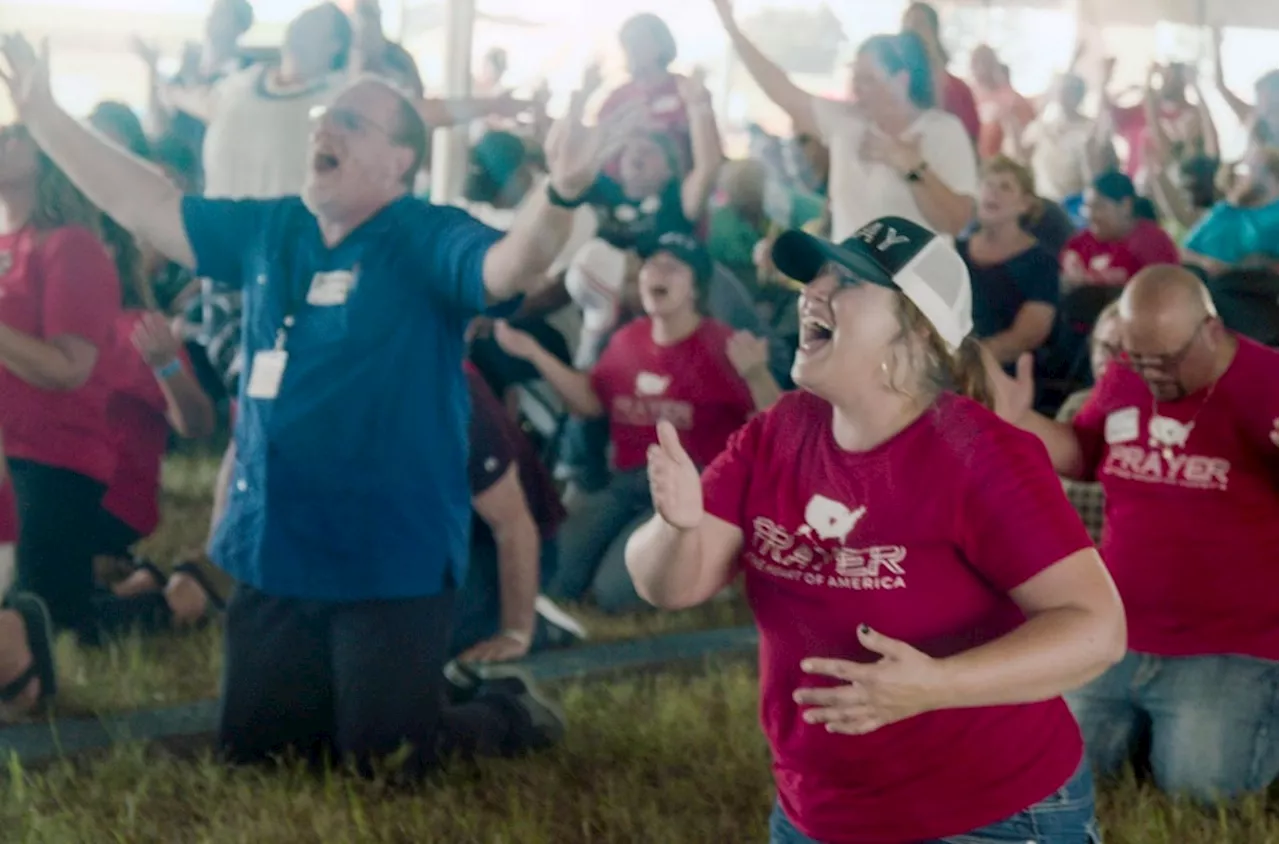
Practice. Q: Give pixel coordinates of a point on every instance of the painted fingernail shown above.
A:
(864, 629)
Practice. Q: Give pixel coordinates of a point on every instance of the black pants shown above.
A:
(350, 681)
(112, 537)
(57, 512)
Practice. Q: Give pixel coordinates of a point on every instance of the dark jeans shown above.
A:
(1064, 817)
(112, 537)
(478, 610)
(350, 681)
(57, 510)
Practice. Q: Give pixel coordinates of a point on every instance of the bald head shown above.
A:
(1170, 331)
(1167, 296)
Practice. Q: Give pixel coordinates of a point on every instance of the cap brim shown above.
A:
(801, 256)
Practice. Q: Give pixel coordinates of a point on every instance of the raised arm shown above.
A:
(187, 407)
(135, 194)
(518, 263)
(707, 154)
(1013, 400)
(773, 80)
(1243, 111)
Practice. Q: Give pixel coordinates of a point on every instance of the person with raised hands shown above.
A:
(347, 519)
(923, 590)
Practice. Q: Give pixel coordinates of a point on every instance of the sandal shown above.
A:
(35, 615)
(161, 579)
(191, 570)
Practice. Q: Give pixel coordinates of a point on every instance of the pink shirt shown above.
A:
(922, 538)
(1190, 535)
(692, 384)
(59, 283)
(1114, 262)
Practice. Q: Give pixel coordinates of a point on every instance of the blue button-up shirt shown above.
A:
(350, 484)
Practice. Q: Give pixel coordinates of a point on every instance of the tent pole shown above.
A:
(449, 150)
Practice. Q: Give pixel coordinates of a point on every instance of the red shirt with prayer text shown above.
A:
(54, 284)
(1114, 262)
(691, 384)
(1190, 531)
(136, 413)
(922, 538)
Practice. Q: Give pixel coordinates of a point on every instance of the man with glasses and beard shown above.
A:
(348, 514)
(1181, 432)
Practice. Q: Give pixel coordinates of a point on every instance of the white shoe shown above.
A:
(557, 617)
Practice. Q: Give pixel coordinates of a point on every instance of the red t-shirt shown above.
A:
(1170, 523)
(59, 283)
(692, 384)
(8, 513)
(1114, 262)
(921, 538)
(957, 98)
(138, 422)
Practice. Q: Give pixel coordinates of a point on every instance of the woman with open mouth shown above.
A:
(674, 364)
(923, 590)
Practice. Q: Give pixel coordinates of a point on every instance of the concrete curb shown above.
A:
(42, 742)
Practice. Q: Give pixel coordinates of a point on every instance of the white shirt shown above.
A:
(256, 143)
(1060, 155)
(860, 191)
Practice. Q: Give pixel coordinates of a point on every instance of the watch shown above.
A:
(556, 199)
(914, 174)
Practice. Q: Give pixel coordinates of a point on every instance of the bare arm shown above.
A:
(1208, 130)
(773, 80)
(1075, 630)
(1031, 328)
(675, 569)
(572, 385)
(518, 263)
(59, 363)
(135, 193)
(1244, 112)
(946, 210)
(195, 100)
(707, 154)
(504, 509)
(764, 388)
(188, 409)
(441, 113)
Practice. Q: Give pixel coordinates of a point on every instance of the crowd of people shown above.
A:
(829, 371)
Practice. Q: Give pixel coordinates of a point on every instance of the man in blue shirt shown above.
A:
(349, 510)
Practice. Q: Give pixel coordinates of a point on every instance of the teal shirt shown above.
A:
(1230, 233)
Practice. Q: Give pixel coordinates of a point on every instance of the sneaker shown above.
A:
(559, 620)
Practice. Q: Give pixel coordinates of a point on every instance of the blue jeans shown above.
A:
(593, 542)
(1212, 721)
(1064, 817)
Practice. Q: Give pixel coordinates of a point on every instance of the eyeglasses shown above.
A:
(346, 120)
(1161, 363)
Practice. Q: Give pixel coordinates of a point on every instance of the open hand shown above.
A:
(905, 682)
(26, 72)
(156, 340)
(902, 154)
(576, 152)
(513, 341)
(500, 648)
(674, 483)
(1013, 397)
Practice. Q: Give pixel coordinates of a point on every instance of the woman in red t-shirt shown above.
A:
(671, 364)
(1118, 243)
(59, 295)
(923, 590)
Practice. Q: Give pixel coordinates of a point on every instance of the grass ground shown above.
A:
(652, 760)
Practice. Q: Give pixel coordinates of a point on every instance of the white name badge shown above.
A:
(330, 289)
(266, 374)
(1122, 426)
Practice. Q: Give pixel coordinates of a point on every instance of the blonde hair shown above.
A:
(1003, 165)
(961, 371)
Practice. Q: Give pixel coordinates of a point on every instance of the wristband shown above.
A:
(914, 174)
(518, 636)
(556, 199)
(170, 369)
